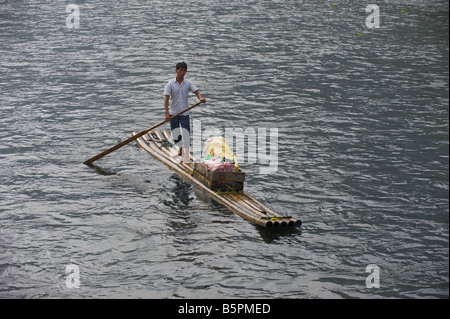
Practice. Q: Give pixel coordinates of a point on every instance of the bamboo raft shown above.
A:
(158, 144)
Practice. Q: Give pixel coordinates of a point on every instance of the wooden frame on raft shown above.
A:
(157, 144)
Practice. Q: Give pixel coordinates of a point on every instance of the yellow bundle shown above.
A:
(219, 148)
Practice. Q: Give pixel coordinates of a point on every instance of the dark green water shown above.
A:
(362, 116)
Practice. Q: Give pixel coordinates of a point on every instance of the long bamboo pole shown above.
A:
(112, 149)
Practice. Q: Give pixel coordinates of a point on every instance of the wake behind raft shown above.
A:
(218, 174)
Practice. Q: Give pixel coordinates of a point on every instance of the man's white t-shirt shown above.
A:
(179, 95)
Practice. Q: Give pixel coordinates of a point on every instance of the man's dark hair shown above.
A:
(181, 65)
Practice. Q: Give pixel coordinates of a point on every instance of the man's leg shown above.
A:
(175, 129)
(186, 130)
(186, 138)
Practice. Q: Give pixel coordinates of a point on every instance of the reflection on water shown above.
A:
(178, 200)
(102, 171)
(180, 193)
(270, 236)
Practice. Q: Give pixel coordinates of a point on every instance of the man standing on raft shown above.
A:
(178, 90)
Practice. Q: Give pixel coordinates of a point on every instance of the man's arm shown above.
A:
(199, 96)
(166, 106)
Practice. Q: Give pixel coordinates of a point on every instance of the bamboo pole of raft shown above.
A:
(265, 213)
(292, 221)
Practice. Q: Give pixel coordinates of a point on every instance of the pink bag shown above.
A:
(215, 164)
